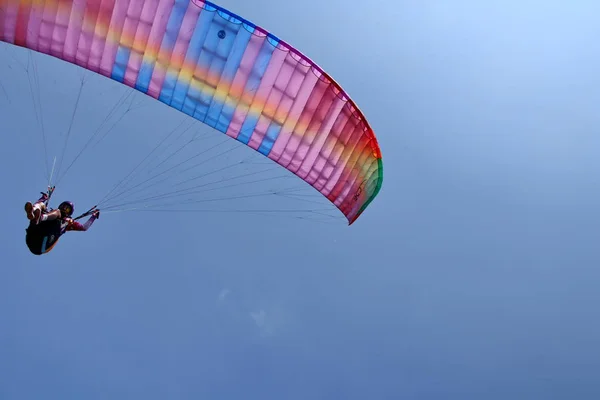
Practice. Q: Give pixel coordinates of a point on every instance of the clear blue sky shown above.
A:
(473, 275)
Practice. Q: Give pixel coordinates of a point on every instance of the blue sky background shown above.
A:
(473, 274)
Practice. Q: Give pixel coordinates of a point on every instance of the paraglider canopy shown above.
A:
(222, 70)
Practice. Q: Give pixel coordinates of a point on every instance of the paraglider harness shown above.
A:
(85, 214)
(41, 237)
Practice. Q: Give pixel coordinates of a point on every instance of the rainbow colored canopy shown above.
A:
(222, 70)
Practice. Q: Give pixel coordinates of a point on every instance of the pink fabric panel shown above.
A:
(59, 36)
(33, 26)
(307, 170)
(239, 83)
(101, 29)
(154, 46)
(73, 30)
(130, 26)
(266, 94)
(287, 141)
(48, 24)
